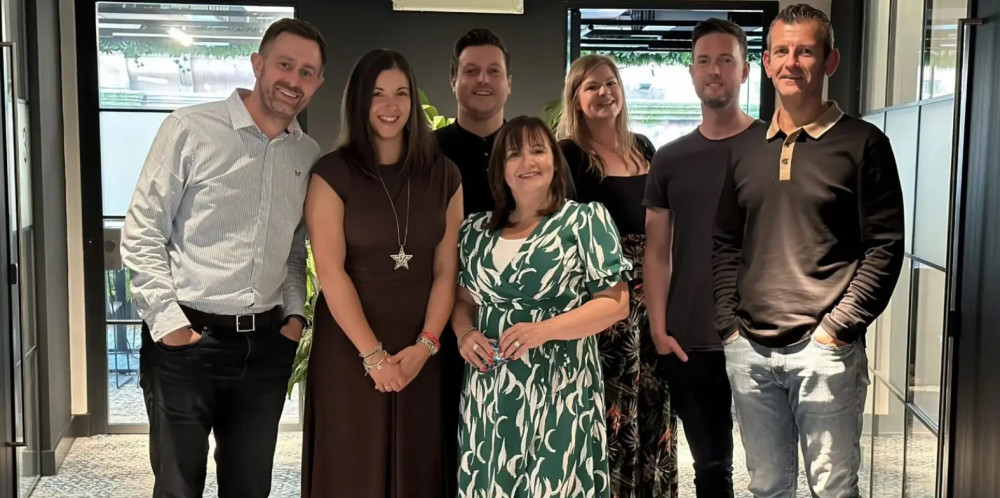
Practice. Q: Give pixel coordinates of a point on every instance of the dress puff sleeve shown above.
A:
(600, 247)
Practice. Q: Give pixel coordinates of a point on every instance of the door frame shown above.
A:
(972, 314)
(92, 215)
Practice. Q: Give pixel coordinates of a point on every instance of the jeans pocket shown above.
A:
(183, 348)
(833, 348)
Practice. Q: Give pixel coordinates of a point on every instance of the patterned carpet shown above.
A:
(117, 467)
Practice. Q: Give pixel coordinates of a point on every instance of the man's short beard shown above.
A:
(718, 102)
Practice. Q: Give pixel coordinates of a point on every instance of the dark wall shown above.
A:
(975, 426)
(847, 18)
(536, 41)
(49, 210)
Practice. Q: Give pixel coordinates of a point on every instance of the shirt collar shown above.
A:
(817, 128)
(241, 118)
(489, 137)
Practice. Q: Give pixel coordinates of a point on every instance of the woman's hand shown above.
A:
(410, 361)
(475, 348)
(519, 339)
(388, 377)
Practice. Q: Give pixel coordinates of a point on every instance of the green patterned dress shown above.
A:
(535, 428)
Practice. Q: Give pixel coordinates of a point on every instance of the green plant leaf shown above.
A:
(430, 111)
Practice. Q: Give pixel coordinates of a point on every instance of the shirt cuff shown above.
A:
(295, 316)
(167, 320)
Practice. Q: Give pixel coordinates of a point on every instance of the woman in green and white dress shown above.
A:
(538, 277)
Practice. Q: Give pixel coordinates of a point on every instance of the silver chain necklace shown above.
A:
(402, 259)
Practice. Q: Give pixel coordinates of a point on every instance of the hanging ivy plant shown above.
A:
(631, 59)
(169, 48)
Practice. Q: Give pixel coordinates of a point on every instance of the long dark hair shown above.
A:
(511, 137)
(357, 140)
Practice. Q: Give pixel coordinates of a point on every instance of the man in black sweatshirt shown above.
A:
(808, 245)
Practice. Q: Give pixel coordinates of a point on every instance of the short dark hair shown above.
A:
(715, 25)
(511, 136)
(476, 38)
(297, 27)
(800, 12)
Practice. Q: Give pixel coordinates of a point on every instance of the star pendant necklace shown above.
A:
(402, 259)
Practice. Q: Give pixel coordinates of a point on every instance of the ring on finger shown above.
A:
(475, 347)
(517, 344)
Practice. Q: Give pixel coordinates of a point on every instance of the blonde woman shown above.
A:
(608, 164)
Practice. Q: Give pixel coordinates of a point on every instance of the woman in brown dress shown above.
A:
(383, 212)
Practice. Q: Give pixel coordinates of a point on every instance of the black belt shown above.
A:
(240, 323)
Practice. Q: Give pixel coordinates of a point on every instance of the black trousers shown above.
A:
(232, 383)
(701, 397)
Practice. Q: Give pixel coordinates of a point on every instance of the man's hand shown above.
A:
(667, 345)
(292, 330)
(181, 337)
(823, 337)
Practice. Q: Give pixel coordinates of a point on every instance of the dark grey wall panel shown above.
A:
(536, 41)
(49, 210)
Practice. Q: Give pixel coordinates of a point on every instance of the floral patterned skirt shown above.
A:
(642, 446)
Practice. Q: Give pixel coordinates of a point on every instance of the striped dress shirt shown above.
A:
(215, 223)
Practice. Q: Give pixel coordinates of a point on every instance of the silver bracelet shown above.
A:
(464, 333)
(378, 348)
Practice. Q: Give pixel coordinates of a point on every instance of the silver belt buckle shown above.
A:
(241, 323)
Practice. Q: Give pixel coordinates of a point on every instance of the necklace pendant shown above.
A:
(402, 259)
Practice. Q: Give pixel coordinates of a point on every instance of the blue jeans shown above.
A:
(809, 394)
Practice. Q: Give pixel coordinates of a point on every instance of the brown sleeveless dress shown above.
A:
(358, 442)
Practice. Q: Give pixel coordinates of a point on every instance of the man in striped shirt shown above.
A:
(216, 246)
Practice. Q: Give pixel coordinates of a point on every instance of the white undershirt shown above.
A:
(504, 252)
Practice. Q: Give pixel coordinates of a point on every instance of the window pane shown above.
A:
(876, 54)
(893, 332)
(933, 195)
(921, 459)
(908, 31)
(941, 46)
(888, 444)
(902, 126)
(120, 166)
(166, 55)
(877, 119)
(929, 305)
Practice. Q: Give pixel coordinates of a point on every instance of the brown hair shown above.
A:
(357, 140)
(297, 27)
(511, 137)
(571, 123)
(798, 13)
(714, 25)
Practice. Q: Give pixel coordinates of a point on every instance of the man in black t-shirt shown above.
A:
(681, 196)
